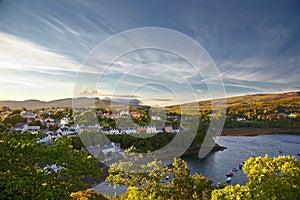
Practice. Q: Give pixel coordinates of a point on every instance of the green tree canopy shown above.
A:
(14, 119)
(26, 173)
(175, 182)
(85, 118)
(269, 178)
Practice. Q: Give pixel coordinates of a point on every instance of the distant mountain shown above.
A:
(67, 103)
(35, 104)
(106, 103)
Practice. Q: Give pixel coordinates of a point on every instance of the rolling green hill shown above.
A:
(292, 98)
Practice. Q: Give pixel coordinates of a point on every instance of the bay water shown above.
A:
(239, 148)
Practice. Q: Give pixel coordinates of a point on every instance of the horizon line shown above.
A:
(226, 97)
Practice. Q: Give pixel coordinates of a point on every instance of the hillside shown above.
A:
(67, 103)
(256, 99)
(231, 101)
(61, 103)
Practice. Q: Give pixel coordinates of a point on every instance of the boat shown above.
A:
(228, 179)
(298, 153)
(234, 169)
(280, 151)
(229, 174)
(241, 165)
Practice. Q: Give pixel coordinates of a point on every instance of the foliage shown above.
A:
(269, 178)
(88, 194)
(85, 118)
(4, 108)
(153, 143)
(174, 182)
(14, 119)
(93, 137)
(24, 173)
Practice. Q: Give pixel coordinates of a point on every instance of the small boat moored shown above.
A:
(241, 166)
(229, 174)
(234, 169)
(228, 179)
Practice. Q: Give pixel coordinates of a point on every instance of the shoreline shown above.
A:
(258, 131)
(217, 147)
(244, 132)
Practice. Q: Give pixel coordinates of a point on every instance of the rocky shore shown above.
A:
(195, 149)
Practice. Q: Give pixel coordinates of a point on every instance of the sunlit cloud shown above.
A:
(17, 53)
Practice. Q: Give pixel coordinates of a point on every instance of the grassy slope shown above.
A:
(240, 100)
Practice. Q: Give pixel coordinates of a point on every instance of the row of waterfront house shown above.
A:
(73, 130)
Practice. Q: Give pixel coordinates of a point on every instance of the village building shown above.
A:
(168, 129)
(151, 129)
(64, 121)
(128, 130)
(156, 118)
(28, 114)
(32, 129)
(114, 131)
(140, 129)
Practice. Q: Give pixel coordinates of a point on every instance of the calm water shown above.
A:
(239, 148)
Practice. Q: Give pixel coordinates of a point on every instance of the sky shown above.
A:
(51, 49)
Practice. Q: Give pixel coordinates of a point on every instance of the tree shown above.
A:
(88, 194)
(31, 170)
(269, 178)
(174, 182)
(14, 119)
(85, 118)
(58, 114)
(4, 108)
(155, 183)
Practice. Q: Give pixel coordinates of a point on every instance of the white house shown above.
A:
(105, 149)
(28, 114)
(151, 129)
(124, 114)
(155, 118)
(49, 121)
(114, 131)
(292, 115)
(74, 130)
(55, 135)
(129, 130)
(32, 129)
(90, 127)
(63, 130)
(47, 139)
(175, 130)
(240, 119)
(53, 168)
(108, 149)
(64, 121)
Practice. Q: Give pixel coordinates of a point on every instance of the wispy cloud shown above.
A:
(17, 53)
(255, 45)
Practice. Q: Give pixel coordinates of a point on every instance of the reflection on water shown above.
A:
(240, 148)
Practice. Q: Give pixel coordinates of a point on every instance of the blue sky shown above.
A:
(254, 44)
